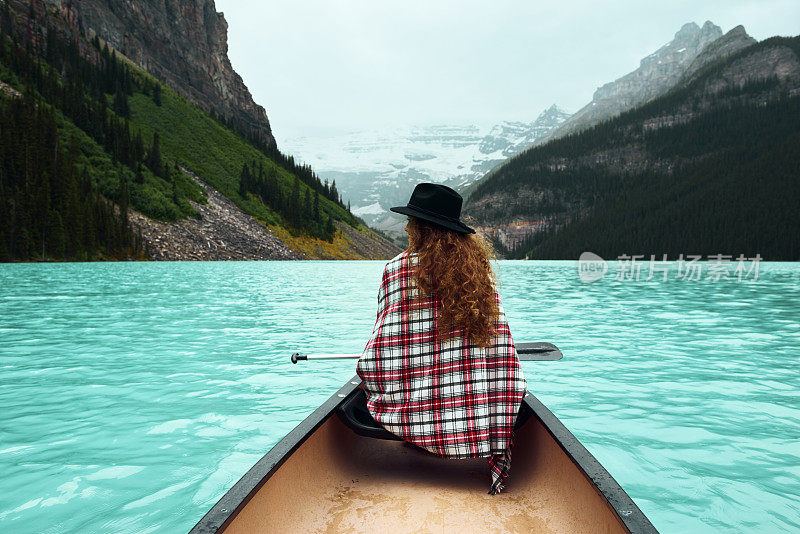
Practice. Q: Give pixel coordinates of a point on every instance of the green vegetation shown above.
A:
(49, 207)
(302, 210)
(727, 180)
(218, 155)
(50, 204)
(129, 136)
(740, 200)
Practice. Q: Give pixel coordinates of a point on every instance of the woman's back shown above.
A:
(435, 389)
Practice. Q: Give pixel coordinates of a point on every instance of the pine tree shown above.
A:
(137, 152)
(154, 157)
(157, 94)
(330, 229)
(124, 201)
(121, 106)
(334, 193)
(5, 19)
(308, 209)
(244, 181)
(294, 202)
(271, 188)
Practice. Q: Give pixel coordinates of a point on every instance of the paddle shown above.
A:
(527, 352)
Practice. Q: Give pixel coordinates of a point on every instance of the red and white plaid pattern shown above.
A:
(449, 397)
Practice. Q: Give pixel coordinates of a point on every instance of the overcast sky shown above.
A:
(322, 66)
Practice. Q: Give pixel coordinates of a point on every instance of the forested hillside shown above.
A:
(81, 128)
(710, 167)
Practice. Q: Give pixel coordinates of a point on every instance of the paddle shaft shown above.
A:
(527, 352)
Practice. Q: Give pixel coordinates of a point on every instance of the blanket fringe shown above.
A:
(499, 467)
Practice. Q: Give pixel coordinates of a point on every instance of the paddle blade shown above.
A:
(538, 352)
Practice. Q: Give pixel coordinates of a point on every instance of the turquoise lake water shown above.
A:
(134, 395)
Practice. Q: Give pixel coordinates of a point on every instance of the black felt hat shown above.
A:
(438, 204)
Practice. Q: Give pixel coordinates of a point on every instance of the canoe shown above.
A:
(338, 471)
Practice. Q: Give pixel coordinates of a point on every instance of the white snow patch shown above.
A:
(372, 209)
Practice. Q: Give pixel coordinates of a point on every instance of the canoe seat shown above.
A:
(353, 413)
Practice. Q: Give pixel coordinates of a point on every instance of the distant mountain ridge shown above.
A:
(708, 167)
(375, 170)
(657, 73)
(389, 177)
(506, 140)
(672, 65)
(733, 41)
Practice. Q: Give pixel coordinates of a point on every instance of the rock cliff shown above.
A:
(731, 42)
(657, 74)
(184, 43)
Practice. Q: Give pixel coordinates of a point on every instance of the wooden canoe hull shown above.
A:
(322, 477)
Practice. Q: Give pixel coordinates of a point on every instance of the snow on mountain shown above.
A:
(657, 73)
(375, 170)
(373, 209)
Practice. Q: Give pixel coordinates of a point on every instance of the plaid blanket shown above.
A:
(449, 397)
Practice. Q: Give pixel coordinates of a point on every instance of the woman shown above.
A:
(440, 370)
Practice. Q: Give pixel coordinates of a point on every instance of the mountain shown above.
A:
(657, 74)
(182, 43)
(99, 159)
(375, 170)
(709, 167)
(733, 41)
(508, 139)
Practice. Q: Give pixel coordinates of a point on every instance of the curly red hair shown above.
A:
(456, 267)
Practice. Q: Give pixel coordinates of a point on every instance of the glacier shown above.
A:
(376, 169)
